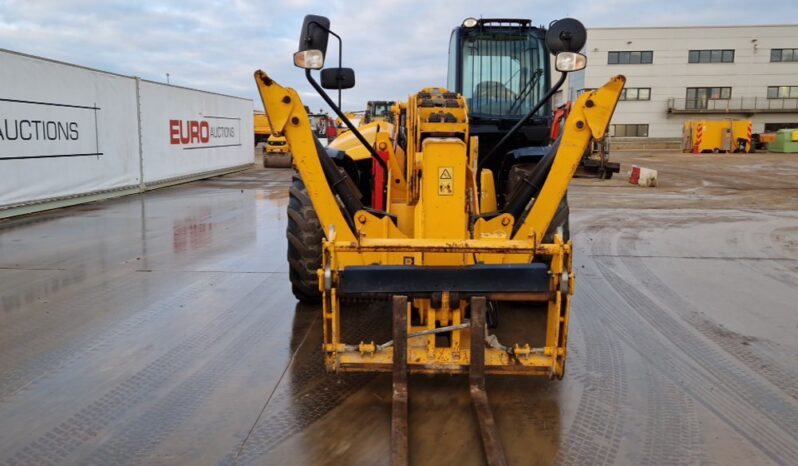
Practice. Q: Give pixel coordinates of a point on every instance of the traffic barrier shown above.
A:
(643, 176)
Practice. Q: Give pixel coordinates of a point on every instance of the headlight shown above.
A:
(469, 22)
(309, 59)
(570, 61)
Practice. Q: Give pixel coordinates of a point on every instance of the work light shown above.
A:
(570, 61)
(309, 59)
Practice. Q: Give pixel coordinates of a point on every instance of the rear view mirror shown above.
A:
(315, 33)
(566, 35)
(338, 78)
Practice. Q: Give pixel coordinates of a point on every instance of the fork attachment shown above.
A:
(399, 453)
(494, 452)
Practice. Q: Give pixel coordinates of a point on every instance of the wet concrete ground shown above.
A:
(160, 329)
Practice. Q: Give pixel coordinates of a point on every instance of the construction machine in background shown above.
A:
(760, 141)
(355, 117)
(277, 153)
(321, 122)
(420, 225)
(261, 126)
(595, 162)
(378, 110)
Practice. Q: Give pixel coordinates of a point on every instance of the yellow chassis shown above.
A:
(432, 230)
(423, 355)
(277, 150)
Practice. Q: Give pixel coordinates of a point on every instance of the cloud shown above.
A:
(395, 46)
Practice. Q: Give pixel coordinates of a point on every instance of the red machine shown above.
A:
(596, 160)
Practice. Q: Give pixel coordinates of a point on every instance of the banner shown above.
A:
(64, 130)
(186, 131)
(68, 131)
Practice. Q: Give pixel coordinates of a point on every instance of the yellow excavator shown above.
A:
(411, 216)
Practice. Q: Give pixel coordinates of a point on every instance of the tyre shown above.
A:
(305, 237)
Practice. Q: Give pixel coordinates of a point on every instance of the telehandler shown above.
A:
(412, 216)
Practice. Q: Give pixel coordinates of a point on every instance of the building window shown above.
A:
(629, 131)
(782, 92)
(783, 55)
(699, 97)
(710, 56)
(636, 93)
(630, 58)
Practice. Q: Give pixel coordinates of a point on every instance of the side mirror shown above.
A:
(338, 78)
(566, 35)
(570, 61)
(313, 42)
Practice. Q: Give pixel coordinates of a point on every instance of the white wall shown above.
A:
(185, 131)
(670, 74)
(65, 130)
(68, 132)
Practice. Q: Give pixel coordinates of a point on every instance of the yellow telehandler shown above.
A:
(412, 215)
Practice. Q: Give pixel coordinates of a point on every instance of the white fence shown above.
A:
(185, 130)
(69, 134)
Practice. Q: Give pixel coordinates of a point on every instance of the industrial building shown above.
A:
(681, 73)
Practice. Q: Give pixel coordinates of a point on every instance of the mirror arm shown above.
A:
(523, 120)
(340, 53)
(346, 121)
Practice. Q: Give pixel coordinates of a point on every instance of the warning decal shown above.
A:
(445, 181)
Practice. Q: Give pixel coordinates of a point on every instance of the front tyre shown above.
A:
(305, 237)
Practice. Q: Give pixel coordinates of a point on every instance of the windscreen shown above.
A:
(379, 109)
(503, 74)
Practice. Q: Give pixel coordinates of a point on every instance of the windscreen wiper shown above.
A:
(526, 90)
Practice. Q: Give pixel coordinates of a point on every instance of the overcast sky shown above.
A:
(395, 46)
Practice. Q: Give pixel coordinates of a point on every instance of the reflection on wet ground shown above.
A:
(160, 329)
(193, 232)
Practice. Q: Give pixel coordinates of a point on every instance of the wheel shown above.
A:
(305, 236)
